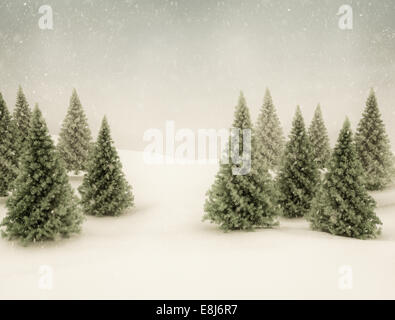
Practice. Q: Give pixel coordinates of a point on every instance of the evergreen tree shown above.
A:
(105, 190)
(8, 150)
(373, 146)
(343, 206)
(299, 176)
(22, 115)
(75, 140)
(319, 139)
(42, 205)
(268, 132)
(245, 200)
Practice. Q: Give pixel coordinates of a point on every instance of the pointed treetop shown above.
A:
(104, 121)
(269, 134)
(21, 96)
(268, 97)
(318, 112)
(347, 123)
(298, 115)
(242, 99)
(74, 99)
(298, 110)
(3, 106)
(104, 125)
(37, 114)
(242, 118)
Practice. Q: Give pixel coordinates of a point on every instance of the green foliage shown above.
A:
(269, 135)
(373, 147)
(22, 116)
(247, 200)
(42, 205)
(75, 140)
(319, 140)
(105, 190)
(343, 206)
(8, 150)
(299, 176)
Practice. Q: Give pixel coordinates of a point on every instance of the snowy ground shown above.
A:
(161, 250)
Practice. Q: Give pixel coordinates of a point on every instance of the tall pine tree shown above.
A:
(42, 205)
(373, 146)
(75, 139)
(299, 177)
(247, 200)
(343, 206)
(319, 139)
(22, 115)
(105, 190)
(8, 150)
(268, 132)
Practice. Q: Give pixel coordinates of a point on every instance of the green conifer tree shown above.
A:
(269, 135)
(242, 199)
(319, 139)
(42, 205)
(75, 139)
(299, 177)
(22, 116)
(373, 147)
(8, 150)
(343, 206)
(105, 190)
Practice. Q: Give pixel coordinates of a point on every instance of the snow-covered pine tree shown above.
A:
(269, 134)
(319, 139)
(245, 201)
(75, 139)
(105, 190)
(8, 149)
(22, 115)
(298, 178)
(373, 146)
(343, 206)
(43, 205)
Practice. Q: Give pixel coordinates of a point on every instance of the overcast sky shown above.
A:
(145, 62)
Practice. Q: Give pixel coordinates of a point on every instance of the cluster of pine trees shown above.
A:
(303, 177)
(42, 204)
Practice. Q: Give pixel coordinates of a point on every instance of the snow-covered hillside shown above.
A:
(162, 250)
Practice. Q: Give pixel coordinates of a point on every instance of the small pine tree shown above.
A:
(8, 150)
(343, 206)
(373, 147)
(75, 139)
(319, 139)
(105, 190)
(42, 205)
(242, 201)
(22, 116)
(299, 176)
(268, 132)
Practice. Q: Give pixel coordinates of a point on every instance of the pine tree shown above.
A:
(8, 150)
(245, 200)
(343, 206)
(299, 177)
(42, 205)
(319, 139)
(105, 190)
(373, 147)
(75, 140)
(22, 116)
(269, 135)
